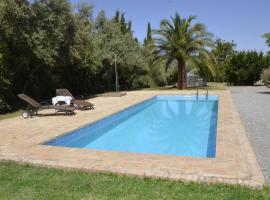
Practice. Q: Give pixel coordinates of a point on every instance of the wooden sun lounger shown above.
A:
(77, 103)
(34, 106)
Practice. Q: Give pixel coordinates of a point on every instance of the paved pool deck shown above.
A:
(253, 104)
(235, 162)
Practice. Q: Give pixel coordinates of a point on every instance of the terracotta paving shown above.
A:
(235, 163)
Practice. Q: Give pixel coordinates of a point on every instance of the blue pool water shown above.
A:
(170, 125)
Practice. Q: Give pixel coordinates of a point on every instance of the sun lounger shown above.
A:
(34, 106)
(77, 103)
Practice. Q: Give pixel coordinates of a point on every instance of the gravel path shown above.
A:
(253, 104)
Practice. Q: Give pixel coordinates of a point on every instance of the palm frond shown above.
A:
(180, 39)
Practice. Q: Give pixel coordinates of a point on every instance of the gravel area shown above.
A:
(253, 104)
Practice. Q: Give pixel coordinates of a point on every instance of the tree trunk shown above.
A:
(181, 82)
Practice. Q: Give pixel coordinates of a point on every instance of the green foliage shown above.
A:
(50, 20)
(172, 73)
(5, 76)
(5, 79)
(14, 41)
(245, 68)
(267, 59)
(266, 77)
(267, 37)
(129, 27)
(123, 23)
(37, 37)
(155, 71)
(24, 182)
(117, 17)
(148, 39)
(125, 27)
(46, 45)
(222, 54)
(237, 68)
(203, 70)
(179, 40)
(130, 59)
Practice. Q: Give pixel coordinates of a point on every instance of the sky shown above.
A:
(241, 21)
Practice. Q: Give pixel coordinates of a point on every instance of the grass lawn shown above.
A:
(28, 182)
(211, 86)
(10, 115)
(217, 86)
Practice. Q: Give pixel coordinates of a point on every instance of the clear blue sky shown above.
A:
(243, 21)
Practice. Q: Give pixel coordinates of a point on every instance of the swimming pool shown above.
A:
(168, 125)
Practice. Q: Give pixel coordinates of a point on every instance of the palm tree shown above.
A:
(179, 40)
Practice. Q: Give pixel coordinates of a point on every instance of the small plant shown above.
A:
(266, 77)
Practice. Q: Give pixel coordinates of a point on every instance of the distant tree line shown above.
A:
(237, 67)
(266, 72)
(47, 44)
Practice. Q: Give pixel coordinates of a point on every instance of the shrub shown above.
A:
(245, 68)
(266, 77)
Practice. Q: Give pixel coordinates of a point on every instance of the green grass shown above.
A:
(10, 115)
(217, 86)
(28, 182)
(211, 86)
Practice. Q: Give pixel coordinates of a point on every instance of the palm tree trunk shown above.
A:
(181, 82)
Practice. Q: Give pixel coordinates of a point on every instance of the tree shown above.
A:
(245, 68)
(181, 41)
(43, 47)
(125, 27)
(123, 23)
(267, 37)
(5, 75)
(149, 38)
(117, 16)
(131, 65)
(266, 77)
(155, 70)
(82, 58)
(129, 27)
(47, 44)
(222, 54)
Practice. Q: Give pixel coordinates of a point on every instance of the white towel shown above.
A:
(65, 99)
